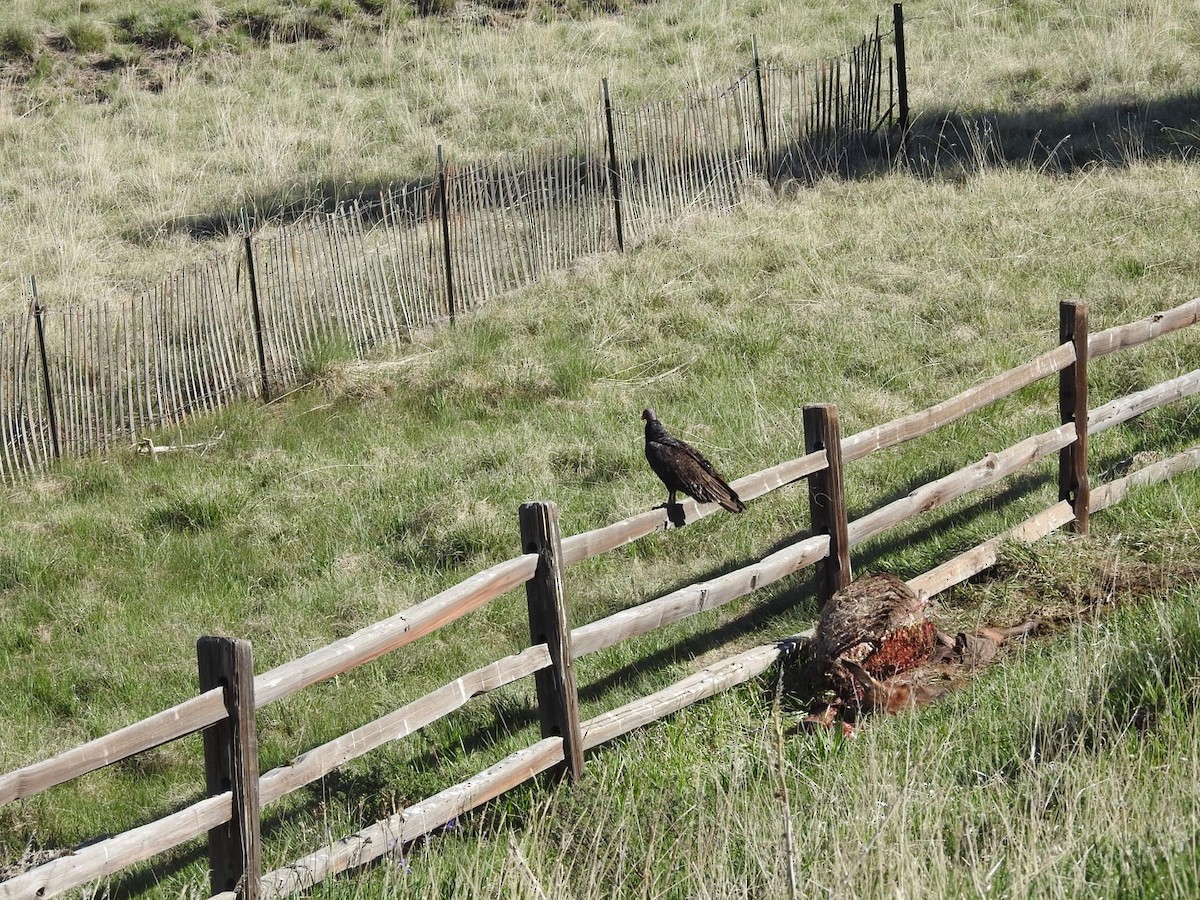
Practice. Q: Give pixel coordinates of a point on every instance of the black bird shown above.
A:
(682, 468)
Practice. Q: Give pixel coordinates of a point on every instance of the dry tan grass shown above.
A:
(99, 195)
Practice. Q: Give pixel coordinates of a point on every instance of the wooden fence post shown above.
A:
(231, 764)
(826, 496)
(549, 623)
(51, 412)
(762, 103)
(256, 308)
(614, 172)
(1073, 483)
(901, 71)
(448, 262)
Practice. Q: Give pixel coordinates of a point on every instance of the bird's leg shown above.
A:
(675, 512)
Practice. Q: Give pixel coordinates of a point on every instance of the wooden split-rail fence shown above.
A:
(269, 312)
(231, 693)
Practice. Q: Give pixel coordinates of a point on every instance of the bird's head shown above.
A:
(648, 414)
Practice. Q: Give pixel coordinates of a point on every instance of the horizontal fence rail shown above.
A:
(110, 855)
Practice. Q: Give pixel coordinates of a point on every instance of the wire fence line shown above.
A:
(246, 324)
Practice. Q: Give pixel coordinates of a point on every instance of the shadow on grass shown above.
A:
(943, 143)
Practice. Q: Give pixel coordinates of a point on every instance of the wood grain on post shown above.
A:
(231, 764)
(1073, 407)
(826, 496)
(549, 624)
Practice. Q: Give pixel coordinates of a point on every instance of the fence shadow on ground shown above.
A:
(941, 141)
(1058, 139)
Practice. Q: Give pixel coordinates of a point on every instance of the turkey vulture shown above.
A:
(682, 468)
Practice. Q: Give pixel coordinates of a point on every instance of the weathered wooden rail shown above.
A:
(236, 790)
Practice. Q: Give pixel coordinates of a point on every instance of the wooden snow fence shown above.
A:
(278, 306)
(231, 692)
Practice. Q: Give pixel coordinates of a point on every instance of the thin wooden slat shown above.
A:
(510, 191)
(411, 265)
(87, 382)
(325, 269)
(130, 376)
(176, 404)
(403, 282)
(385, 314)
(291, 289)
(466, 250)
(557, 199)
(59, 374)
(8, 406)
(305, 307)
(356, 327)
(148, 370)
(101, 389)
(232, 321)
(21, 397)
(223, 378)
(94, 394)
(174, 350)
(110, 387)
(219, 378)
(540, 208)
(508, 247)
(357, 276)
(188, 325)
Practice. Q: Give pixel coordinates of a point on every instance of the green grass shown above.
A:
(386, 481)
(352, 499)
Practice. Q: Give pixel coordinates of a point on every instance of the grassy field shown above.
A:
(1067, 769)
(127, 127)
